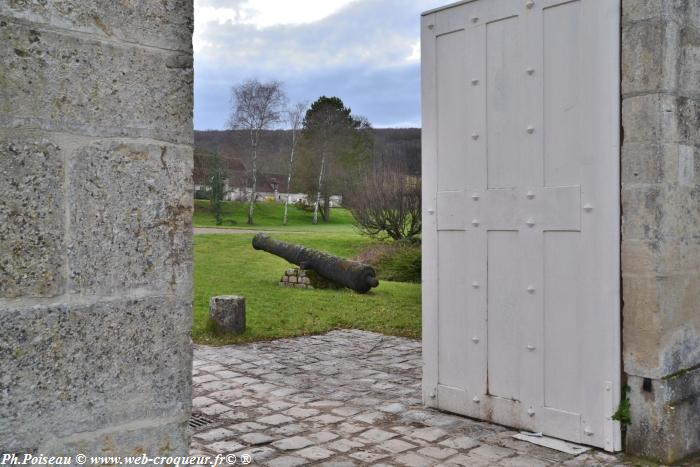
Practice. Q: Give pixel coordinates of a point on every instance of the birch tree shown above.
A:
(256, 106)
(295, 118)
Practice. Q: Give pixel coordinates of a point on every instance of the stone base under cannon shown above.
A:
(306, 279)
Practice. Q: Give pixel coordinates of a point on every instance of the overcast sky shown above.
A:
(364, 51)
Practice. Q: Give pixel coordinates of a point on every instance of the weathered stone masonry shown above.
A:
(661, 225)
(95, 226)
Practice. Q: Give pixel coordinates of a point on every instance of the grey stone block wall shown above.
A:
(95, 226)
(660, 174)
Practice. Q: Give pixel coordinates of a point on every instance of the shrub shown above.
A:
(387, 202)
(304, 206)
(398, 261)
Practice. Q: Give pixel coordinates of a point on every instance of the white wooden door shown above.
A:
(521, 307)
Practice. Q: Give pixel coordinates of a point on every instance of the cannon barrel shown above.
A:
(357, 276)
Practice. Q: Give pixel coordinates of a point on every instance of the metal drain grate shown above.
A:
(198, 421)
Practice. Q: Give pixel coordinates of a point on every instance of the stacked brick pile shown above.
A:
(296, 278)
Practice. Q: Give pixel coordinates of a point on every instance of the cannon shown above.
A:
(356, 276)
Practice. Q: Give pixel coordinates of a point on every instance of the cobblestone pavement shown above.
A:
(342, 399)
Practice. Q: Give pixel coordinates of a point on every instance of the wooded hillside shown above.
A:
(401, 145)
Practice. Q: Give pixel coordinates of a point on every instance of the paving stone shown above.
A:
(300, 412)
(215, 409)
(205, 378)
(346, 411)
(258, 454)
(429, 434)
(226, 395)
(339, 463)
(278, 405)
(323, 436)
(295, 442)
(396, 445)
(227, 374)
(523, 461)
(302, 398)
(202, 401)
(244, 402)
(262, 387)
(370, 417)
(341, 396)
(368, 456)
(403, 429)
(326, 419)
(247, 366)
(375, 435)
(315, 453)
(288, 430)
(393, 408)
(366, 401)
(351, 428)
(217, 385)
(412, 459)
(604, 457)
(261, 411)
(224, 447)
(492, 453)
(245, 380)
(287, 461)
(276, 419)
(469, 461)
(437, 452)
(234, 415)
(461, 443)
(344, 445)
(215, 435)
(282, 392)
(256, 438)
(247, 427)
(444, 421)
(583, 460)
(325, 403)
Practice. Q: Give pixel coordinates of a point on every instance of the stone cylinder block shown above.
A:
(228, 312)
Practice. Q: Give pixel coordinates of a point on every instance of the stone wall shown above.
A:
(306, 279)
(95, 226)
(661, 225)
(295, 278)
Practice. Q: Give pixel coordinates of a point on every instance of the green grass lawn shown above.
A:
(268, 216)
(228, 264)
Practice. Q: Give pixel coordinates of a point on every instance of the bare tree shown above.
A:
(295, 118)
(388, 202)
(256, 106)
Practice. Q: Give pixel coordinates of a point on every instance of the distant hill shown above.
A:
(400, 145)
(396, 145)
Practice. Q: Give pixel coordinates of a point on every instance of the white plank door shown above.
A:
(521, 290)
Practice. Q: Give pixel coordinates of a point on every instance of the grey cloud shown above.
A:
(359, 54)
